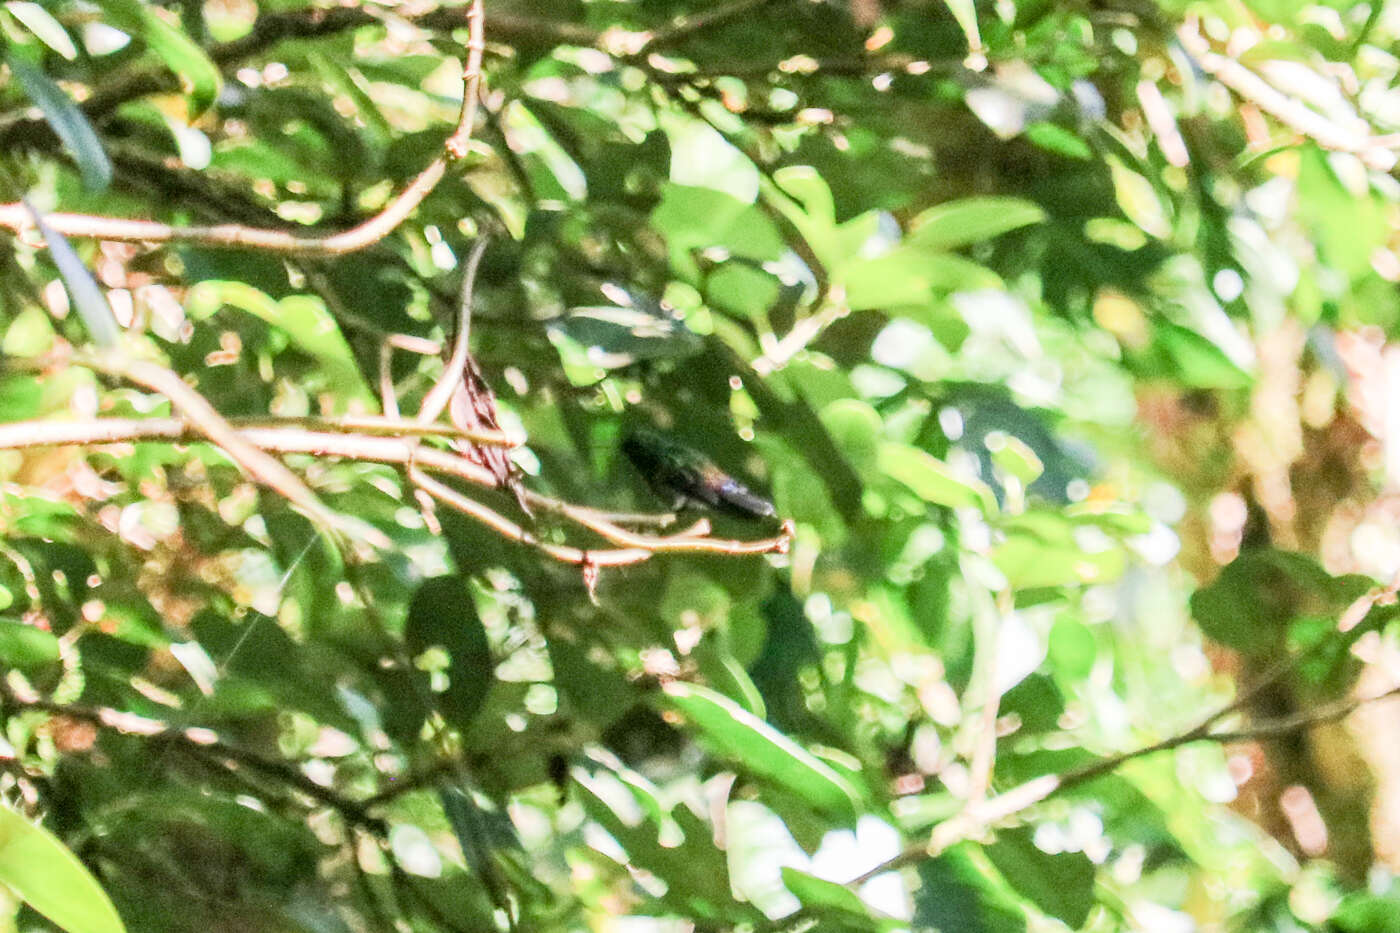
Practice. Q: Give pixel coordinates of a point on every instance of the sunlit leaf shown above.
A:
(932, 480)
(760, 749)
(47, 29)
(971, 220)
(50, 879)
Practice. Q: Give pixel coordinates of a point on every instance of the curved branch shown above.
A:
(973, 821)
(334, 438)
(15, 217)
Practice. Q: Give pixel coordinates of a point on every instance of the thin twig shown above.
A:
(456, 144)
(200, 741)
(92, 226)
(269, 436)
(15, 217)
(509, 529)
(1376, 152)
(974, 821)
(391, 450)
(440, 395)
(263, 467)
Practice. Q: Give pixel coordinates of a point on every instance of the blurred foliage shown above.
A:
(1060, 332)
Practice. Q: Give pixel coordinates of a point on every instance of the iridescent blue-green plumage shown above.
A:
(684, 476)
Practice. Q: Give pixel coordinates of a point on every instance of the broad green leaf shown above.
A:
(897, 279)
(303, 318)
(1072, 649)
(1254, 600)
(1046, 548)
(702, 158)
(50, 879)
(809, 188)
(25, 646)
(480, 831)
(695, 871)
(1061, 885)
(1189, 358)
(1055, 138)
(959, 891)
(1348, 222)
(931, 480)
(763, 751)
(1139, 200)
(702, 218)
(198, 75)
(971, 220)
(1014, 457)
(740, 288)
(855, 427)
(727, 676)
(29, 334)
(835, 902)
(803, 197)
(443, 616)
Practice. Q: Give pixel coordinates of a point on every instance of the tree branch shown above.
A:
(974, 821)
(16, 217)
(334, 438)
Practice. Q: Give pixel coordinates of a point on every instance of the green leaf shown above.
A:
(703, 158)
(804, 198)
(1060, 885)
(855, 427)
(1014, 457)
(68, 121)
(1347, 222)
(762, 750)
(834, 902)
(303, 318)
(1187, 357)
(1072, 649)
(931, 480)
(971, 220)
(198, 75)
(1055, 138)
(443, 615)
(700, 218)
(45, 28)
(26, 646)
(1046, 548)
(1251, 604)
(82, 288)
(1139, 200)
(959, 891)
(50, 879)
(29, 334)
(696, 872)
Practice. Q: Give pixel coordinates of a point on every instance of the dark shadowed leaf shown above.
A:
(443, 616)
(67, 121)
(183, 57)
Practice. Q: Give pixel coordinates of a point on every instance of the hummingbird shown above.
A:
(685, 477)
